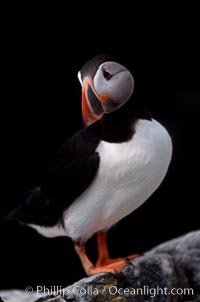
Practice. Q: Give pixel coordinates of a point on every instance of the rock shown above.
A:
(18, 296)
(169, 272)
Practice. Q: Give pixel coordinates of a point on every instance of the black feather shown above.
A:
(68, 175)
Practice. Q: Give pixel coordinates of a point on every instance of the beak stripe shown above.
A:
(94, 102)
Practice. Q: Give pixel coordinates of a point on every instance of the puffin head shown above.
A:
(106, 86)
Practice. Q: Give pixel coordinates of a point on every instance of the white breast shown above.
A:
(128, 174)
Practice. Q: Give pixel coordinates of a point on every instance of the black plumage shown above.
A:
(69, 173)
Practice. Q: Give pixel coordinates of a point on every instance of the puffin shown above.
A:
(103, 172)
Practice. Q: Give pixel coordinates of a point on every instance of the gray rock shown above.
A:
(169, 272)
(15, 295)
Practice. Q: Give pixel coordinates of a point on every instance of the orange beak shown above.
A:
(92, 109)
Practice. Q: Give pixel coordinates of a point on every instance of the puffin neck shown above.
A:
(118, 126)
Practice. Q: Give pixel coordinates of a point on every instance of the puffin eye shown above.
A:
(107, 75)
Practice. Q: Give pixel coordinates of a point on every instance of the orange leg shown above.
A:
(103, 254)
(104, 258)
(87, 264)
(104, 262)
(89, 268)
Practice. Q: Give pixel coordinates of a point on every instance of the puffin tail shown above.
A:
(17, 213)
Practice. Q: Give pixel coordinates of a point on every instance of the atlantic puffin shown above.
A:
(103, 172)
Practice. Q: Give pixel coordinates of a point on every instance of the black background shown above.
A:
(41, 108)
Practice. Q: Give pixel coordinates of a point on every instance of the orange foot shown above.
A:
(112, 265)
(104, 264)
(108, 261)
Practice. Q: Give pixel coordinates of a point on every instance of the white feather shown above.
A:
(51, 232)
(128, 174)
(79, 78)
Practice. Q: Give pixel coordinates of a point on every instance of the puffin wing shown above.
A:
(69, 174)
(73, 169)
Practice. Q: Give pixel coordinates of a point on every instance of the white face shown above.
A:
(115, 81)
(104, 91)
